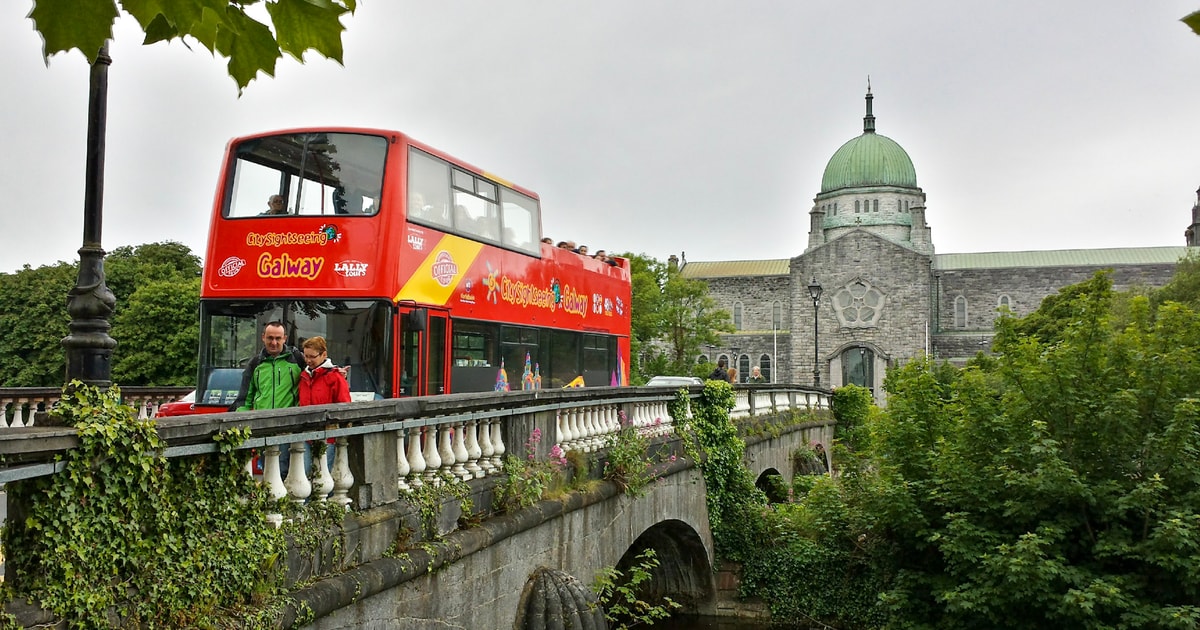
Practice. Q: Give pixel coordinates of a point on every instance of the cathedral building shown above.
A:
(869, 292)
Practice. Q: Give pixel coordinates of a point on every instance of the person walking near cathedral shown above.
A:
(721, 373)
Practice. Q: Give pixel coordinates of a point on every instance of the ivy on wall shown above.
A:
(125, 537)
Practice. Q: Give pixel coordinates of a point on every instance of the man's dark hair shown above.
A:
(275, 322)
(721, 362)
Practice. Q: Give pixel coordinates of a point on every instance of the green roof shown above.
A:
(869, 160)
(1115, 257)
(735, 268)
(1063, 258)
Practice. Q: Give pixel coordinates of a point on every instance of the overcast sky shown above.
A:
(661, 127)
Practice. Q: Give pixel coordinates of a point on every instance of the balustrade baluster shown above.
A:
(497, 443)
(343, 479)
(446, 450)
(416, 460)
(323, 482)
(273, 481)
(4, 415)
(662, 419)
(297, 483)
(19, 413)
(485, 447)
(562, 424)
(579, 429)
(433, 460)
(474, 451)
(589, 429)
(402, 467)
(604, 422)
(458, 448)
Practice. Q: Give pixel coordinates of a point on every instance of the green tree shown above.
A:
(223, 27)
(159, 330)
(1184, 286)
(155, 321)
(33, 322)
(672, 319)
(1193, 21)
(1056, 484)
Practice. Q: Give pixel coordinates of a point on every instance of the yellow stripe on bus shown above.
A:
(441, 272)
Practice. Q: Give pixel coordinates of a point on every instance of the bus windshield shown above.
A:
(307, 174)
(356, 331)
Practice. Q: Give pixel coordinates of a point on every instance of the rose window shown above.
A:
(858, 305)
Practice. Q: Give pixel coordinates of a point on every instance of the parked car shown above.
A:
(673, 381)
(182, 407)
(223, 386)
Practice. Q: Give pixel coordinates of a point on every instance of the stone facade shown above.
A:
(886, 296)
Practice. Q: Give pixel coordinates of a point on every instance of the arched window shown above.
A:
(1004, 302)
(702, 360)
(875, 205)
(856, 206)
(737, 315)
(743, 368)
(776, 315)
(723, 357)
(960, 312)
(764, 366)
(858, 367)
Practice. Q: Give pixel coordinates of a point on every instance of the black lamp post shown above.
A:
(735, 364)
(814, 291)
(88, 346)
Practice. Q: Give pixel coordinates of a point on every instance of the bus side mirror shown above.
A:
(417, 319)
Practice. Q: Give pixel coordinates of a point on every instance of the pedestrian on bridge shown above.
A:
(273, 376)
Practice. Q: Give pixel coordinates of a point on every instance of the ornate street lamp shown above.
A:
(88, 346)
(814, 291)
(735, 364)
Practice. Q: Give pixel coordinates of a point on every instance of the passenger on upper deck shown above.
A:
(275, 205)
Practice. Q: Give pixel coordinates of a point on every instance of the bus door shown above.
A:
(423, 339)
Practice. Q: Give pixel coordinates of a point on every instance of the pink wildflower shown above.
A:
(557, 455)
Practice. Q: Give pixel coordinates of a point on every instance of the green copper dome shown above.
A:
(869, 160)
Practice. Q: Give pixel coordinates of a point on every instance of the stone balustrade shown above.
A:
(19, 405)
(385, 448)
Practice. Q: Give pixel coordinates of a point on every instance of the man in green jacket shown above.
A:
(272, 377)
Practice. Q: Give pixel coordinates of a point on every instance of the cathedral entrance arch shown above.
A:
(858, 367)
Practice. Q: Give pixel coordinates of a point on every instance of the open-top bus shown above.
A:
(425, 274)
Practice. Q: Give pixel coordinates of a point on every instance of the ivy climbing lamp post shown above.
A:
(814, 291)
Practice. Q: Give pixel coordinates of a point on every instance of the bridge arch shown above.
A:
(684, 572)
(773, 484)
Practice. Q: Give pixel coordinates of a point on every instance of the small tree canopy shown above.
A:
(221, 26)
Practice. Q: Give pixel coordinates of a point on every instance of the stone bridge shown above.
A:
(477, 576)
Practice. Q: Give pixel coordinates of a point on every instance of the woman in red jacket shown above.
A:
(321, 382)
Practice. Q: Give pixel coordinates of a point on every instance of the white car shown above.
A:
(673, 381)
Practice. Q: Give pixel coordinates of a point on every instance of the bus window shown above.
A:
(599, 359)
(316, 173)
(473, 354)
(520, 218)
(355, 331)
(516, 343)
(428, 189)
(564, 360)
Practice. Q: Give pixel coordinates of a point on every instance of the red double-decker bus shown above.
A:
(426, 275)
